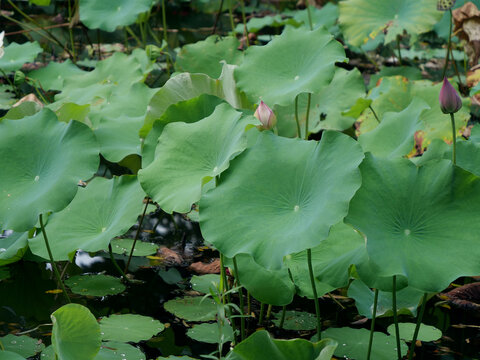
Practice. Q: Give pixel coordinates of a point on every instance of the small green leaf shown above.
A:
(129, 328)
(209, 333)
(142, 248)
(22, 345)
(205, 283)
(18, 54)
(297, 320)
(192, 308)
(95, 285)
(426, 333)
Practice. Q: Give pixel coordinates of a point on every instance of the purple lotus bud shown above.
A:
(266, 116)
(450, 102)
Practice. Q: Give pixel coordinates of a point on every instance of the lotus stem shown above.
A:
(372, 326)
(52, 261)
(249, 303)
(282, 319)
(395, 317)
(70, 30)
(309, 17)
(417, 327)
(374, 113)
(269, 312)
(448, 46)
(230, 15)
(309, 100)
(136, 235)
(399, 52)
(315, 296)
(240, 295)
(217, 17)
(244, 19)
(299, 132)
(115, 264)
(262, 310)
(454, 140)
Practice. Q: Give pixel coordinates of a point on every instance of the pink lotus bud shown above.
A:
(266, 116)
(450, 102)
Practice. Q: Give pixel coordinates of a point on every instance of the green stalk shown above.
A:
(70, 30)
(230, 15)
(455, 67)
(136, 236)
(454, 139)
(262, 310)
(165, 33)
(132, 34)
(217, 17)
(249, 303)
(282, 319)
(269, 312)
(315, 296)
(448, 46)
(374, 113)
(417, 327)
(372, 327)
(52, 261)
(399, 52)
(309, 17)
(240, 294)
(115, 264)
(12, 84)
(244, 19)
(309, 100)
(395, 317)
(299, 132)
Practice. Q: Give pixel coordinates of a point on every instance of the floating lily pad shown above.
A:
(205, 56)
(99, 212)
(129, 328)
(261, 346)
(40, 173)
(192, 308)
(53, 75)
(18, 54)
(276, 74)
(124, 246)
(297, 320)
(411, 216)
(8, 355)
(353, 344)
(76, 333)
(426, 333)
(95, 285)
(362, 20)
(13, 247)
(281, 188)
(209, 333)
(22, 345)
(111, 14)
(111, 350)
(190, 155)
(205, 283)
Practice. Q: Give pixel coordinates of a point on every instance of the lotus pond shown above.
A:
(239, 180)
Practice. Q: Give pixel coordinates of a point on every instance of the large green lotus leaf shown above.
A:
(129, 328)
(327, 105)
(331, 261)
(260, 346)
(411, 217)
(188, 111)
(467, 156)
(353, 344)
(395, 135)
(189, 155)
(108, 15)
(194, 308)
(53, 75)
(22, 345)
(40, 173)
(18, 54)
(297, 320)
(99, 212)
(209, 333)
(76, 333)
(13, 247)
(8, 355)
(205, 56)
(95, 285)
(112, 350)
(407, 300)
(268, 286)
(186, 86)
(394, 94)
(426, 332)
(281, 189)
(276, 73)
(409, 72)
(362, 20)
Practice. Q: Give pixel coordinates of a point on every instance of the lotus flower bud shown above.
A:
(266, 116)
(450, 102)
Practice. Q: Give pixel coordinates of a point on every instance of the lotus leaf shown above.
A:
(209, 333)
(40, 173)
(362, 20)
(260, 346)
(205, 56)
(326, 16)
(142, 248)
(22, 345)
(13, 247)
(108, 15)
(281, 189)
(7, 97)
(276, 74)
(255, 24)
(411, 216)
(95, 285)
(112, 350)
(194, 308)
(426, 332)
(76, 333)
(129, 328)
(205, 283)
(18, 54)
(353, 344)
(27, 108)
(99, 212)
(8, 355)
(297, 320)
(52, 76)
(189, 155)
